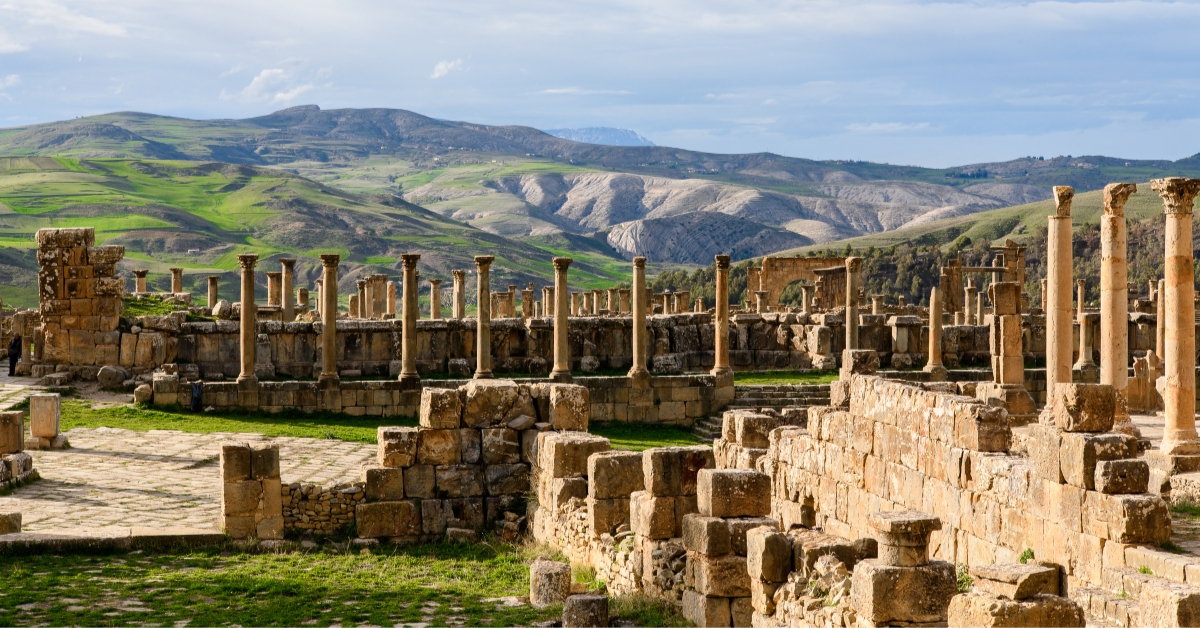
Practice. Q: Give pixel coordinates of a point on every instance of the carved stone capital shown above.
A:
(458, 275)
(287, 262)
(639, 262)
(562, 263)
(247, 260)
(722, 262)
(1115, 195)
(409, 260)
(1063, 195)
(330, 261)
(854, 264)
(484, 261)
(1178, 194)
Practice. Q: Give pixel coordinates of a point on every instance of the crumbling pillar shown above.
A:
(289, 289)
(329, 307)
(805, 298)
(853, 281)
(638, 372)
(1179, 401)
(550, 302)
(320, 308)
(969, 314)
(391, 298)
(721, 320)
(212, 290)
(527, 302)
(510, 302)
(139, 280)
(176, 280)
(613, 305)
(248, 335)
(408, 339)
(596, 301)
(1008, 360)
(302, 299)
(576, 304)
(361, 310)
(562, 347)
(760, 301)
(1114, 298)
(483, 328)
(1058, 291)
(937, 372)
(274, 283)
(623, 301)
(876, 303)
(979, 308)
(381, 294)
(699, 307)
(435, 299)
(1160, 327)
(459, 309)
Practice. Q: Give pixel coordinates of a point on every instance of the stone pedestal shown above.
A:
(1008, 361)
(902, 585)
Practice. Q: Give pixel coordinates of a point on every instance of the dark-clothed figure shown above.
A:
(14, 354)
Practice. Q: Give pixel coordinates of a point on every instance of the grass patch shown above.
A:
(641, 436)
(149, 305)
(287, 423)
(784, 377)
(1186, 509)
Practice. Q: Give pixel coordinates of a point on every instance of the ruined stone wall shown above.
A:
(80, 298)
(902, 447)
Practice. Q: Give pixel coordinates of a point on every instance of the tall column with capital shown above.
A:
(248, 331)
(435, 299)
(329, 308)
(139, 280)
(1058, 291)
(853, 282)
(289, 289)
(562, 348)
(640, 342)
(483, 329)
(459, 308)
(937, 372)
(1114, 300)
(408, 338)
(1179, 359)
(212, 290)
(176, 280)
(721, 319)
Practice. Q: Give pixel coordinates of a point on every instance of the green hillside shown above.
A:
(200, 216)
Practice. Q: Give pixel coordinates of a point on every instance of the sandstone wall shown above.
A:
(80, 298)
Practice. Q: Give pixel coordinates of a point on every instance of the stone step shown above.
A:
(782, 387)
(742, 404)
(782, 398)
(1103, 608)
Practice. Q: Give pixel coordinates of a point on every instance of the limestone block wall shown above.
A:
(903, 447)
(16, 466)
(317, 509)
(251, 491)
(80, 298)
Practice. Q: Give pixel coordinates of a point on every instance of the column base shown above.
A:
(1164, 465)
(324, 379)
(723, 376)
(639, 377)
(937, 372)
(410, 381)
(247, 380)
(1180, 446)
(561, 377)
(483, 375)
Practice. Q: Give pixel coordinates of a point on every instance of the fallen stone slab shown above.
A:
(85, 539)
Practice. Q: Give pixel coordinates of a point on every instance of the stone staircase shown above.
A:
(773, 396)
(1169, 579)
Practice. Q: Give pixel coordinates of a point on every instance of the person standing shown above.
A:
(14, 353)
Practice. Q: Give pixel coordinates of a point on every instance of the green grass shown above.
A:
(642, 436)
(435, 583)
(1187, 510)
(151, 305)
(784, 377)
(286, 423)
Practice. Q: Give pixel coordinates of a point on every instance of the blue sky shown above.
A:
(933, 84)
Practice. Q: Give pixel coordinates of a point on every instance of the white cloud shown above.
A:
(231, 71)
(46, 13)
(579, 91)
(445, 67)
(10, 80)
(7, 44)
(770, 101)
(272, 85)
(885, 127)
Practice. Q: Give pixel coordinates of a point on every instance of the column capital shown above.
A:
(330, 261)
(722, 262)
(458, 275)
(360, 282)
(639, 262)
(484, 261)
(854, 264)
(1115, 195)
(176, 269)
(247, 260)
(561, 263)
(287, 262)
(214, 277)
(435, 283)
(1178, 194)
(1063, 195)
(1081, 282)
(273, 273)
(410, 260)
(141, 273)
(320, 281)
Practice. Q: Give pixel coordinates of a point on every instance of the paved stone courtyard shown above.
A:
(113, 477)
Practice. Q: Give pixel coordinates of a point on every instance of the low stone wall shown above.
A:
(317, 509)
(16, 466)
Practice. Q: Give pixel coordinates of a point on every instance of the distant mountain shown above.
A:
(604, 135)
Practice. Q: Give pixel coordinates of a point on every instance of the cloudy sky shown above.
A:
(925, 83)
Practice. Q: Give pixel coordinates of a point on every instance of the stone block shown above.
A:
(903, 536)
(419, 481)
(751, 429)
(724, 576)
(566, 454)
(12, 432)
(563, 489)
(1168, 604)
(45, 411)
(1084, 407)
(10, 522)
(397, 446)
(741, 612)
(264, 461)
(860, 362)
(707, 536)
(387, 519)
(549, 583)
(500, 445)
(269, 528)
(650, 516)
(1122, 476)
(1139, 518)
(459, 480)
(671, 471)
(439, 447)
(809, 545)
(585, 610)
(1015, 581)
(471, 444)
(1079, 453)
(768, 554)
(569, 407)
(733, 493)
(488, 402)
(615, 474)
(703, 610)
(973, 610)
(441, 409)
(240, 498)
(506, 479)
(235, 461)
(605, 515)
(383, 484)
(239, 527)
(762, 596)
(433, 516)
(739, 526)
(886, 593)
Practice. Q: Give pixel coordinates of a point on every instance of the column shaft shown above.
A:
(562, 347)
(329, 308)
(721, 319)
(212, 290)
(408, 338)
(1179, 359)
(639, 319)
(1058, 291)
(1114, 301)
(435, 299)
(483, 330)
(289, 289)
(248, 332)
(459, 309)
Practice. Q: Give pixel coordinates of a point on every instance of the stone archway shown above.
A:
(776, 273)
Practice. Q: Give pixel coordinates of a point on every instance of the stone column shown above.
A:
(562, 348)
(176, 280)
(1058, 291)
(212, 290)
(937, 372)
(1114, 299)
(613, 303)
(139, 280)
(638, 372)
(1160, 327)
(805, 298)
(381, 297)
(550, 302)
(391, 298)
(302, 299)
(408, 339)
(435, 299)
(1045, 294)
(361, 310)
(274, 283)
(1179, 357)
(289, 289)
(483, 329)
(320, 308)
(760, 301)
(248, 330)
(352, 303)
(721, 320)
(459, 309)
(577, 300)
(1085, 329)
(329, 307)
(596, 302)
(510, 308)
(527, 303)
(699, 306)
(969, 317)
(979, 309)
(1008, 361)
(623, 301)
(853, 280)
